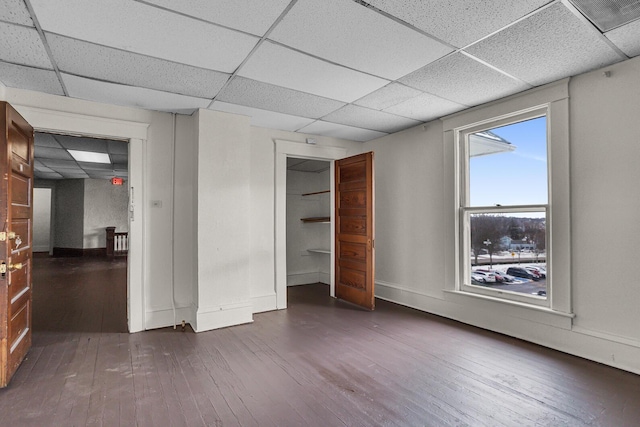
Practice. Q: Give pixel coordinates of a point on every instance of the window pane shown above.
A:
(508, 165)
(508, 252)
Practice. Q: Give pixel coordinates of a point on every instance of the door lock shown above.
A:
(4, 235)
(3, 268)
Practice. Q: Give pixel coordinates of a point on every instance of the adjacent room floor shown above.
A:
(321, 362)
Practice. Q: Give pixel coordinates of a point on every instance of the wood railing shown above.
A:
(117, 243)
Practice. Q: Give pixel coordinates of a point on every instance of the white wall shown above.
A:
(413, 227)
(69, 214)
(105, 205)
(302, 266)
(42, 219)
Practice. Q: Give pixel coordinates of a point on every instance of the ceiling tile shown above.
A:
(425, 107)
(19, 77)
(458, 22)
(627, 38)
(59, 164)
(336, 130)
(82, 144)
(111, 93)
(365, 118)
(73, 173)
(120, 167)
(252, 16)
(264, 118)
(252, 93)
(41, 168)
(461, 79)
(548, 46)
(347, 33)
(119, 158)
(15, 11)
(23, 46)
(117, 66)
(47, 175)
(45, 140)
(95, 166)
(391, 94)
(287, 68)
(52, 153)
(304, 165)
(118, 147)
(140, 28)
(28, 78)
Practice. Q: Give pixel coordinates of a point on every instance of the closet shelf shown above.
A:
(316, 219)
(317, 192)
(319, 251)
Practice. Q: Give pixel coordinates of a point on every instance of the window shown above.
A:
(504, 208)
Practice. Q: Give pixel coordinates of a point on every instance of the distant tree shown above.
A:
(516, 230)
(487, 227)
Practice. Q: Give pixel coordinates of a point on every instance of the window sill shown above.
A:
(533, 313)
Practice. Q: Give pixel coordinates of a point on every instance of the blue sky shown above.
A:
(514, 178)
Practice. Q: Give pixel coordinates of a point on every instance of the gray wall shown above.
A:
(69, 214)
(105, 205)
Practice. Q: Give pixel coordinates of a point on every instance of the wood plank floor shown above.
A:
(319, 363)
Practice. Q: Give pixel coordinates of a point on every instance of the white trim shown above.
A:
(284, 149)
(607, 336)
(208, 318)
(19, 340)
(48, 120)
(160, 318)
(264, 303)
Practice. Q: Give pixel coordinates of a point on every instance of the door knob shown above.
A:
(16, 266)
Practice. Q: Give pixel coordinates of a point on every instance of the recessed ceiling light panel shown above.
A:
(609, 14)
(89, 156)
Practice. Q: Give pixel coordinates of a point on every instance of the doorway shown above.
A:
(53, 121)
(284, 150)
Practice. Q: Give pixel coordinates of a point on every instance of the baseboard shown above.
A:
(324, 278)
(163, 318)
(264, 303)
(208, 318)
(79, 252)
(607, 349)
(302, 278)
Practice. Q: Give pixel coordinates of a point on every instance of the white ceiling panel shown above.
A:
(627, 38)
(425, 107)
(287, 68)
(460, 79)
(111, 93)
(148, 30)
(391, 94)
(59, 164)
(95, 166)
(51, 153)
(46, 140)
(458, 22)
(305, 165)
(82, 144)
(118, 147)
(117, 66)
(73, 174)
(15, 11)
(336, 130)
(252, 93)
(252, 16)
(264, 118)
(21, 45)
(47, 175)
(30, 78)
(366, 118)
(350, 34)
(548, 46)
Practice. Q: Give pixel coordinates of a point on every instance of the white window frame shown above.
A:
(465, 210)
(554, 98)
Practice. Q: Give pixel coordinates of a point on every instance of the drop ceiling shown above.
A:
(53, 160)
(352, 69)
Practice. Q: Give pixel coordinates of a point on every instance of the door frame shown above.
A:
(53, 121)
(284, 149)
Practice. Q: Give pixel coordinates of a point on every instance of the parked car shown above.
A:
(497, 274)
(487, 277)
(506, 278)
(534, 271)
(541, 270)
(477, 279)
(521, 272)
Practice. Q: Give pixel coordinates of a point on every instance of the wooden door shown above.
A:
(355, 241)
(16, 217)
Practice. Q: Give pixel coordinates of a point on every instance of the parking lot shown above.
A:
(520, 285)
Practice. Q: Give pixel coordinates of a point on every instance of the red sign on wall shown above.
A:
(117, 181)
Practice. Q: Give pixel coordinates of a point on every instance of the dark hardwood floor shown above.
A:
(321, 362)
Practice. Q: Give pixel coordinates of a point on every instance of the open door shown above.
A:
(355, 241)
(16, 217)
